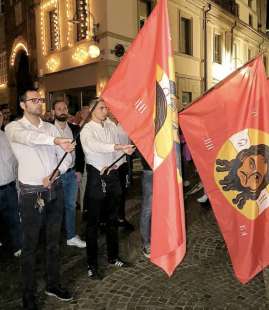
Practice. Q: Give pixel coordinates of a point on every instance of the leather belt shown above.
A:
(2, 187)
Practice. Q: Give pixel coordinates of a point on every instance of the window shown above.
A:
(3, 68)
(81, 12)
(186, 97)
(1, 6)
(236, 9)
(18, 13)
(234, 55)
(185, 36)
(250, 20)
(144, 9)
(217, 49)
(249, 54)
(53, 30)
(265, 63)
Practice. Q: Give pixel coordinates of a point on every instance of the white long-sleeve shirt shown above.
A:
(34, 148)
(124, 139)
(8, 162)
(98, 141)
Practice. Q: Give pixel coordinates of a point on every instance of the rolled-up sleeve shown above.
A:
(17, 133)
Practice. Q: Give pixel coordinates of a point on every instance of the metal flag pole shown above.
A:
(110, 166)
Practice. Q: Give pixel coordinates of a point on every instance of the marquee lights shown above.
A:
(53, 64)
(18, 46)
(45, 7)
(69, 27)
(80, 55)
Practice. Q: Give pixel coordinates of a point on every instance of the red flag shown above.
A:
(227, 131)
(141, 95)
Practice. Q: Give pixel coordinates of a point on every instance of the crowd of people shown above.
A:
(37, 193)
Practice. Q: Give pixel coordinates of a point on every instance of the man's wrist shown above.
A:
(117, 147)
(56, 141)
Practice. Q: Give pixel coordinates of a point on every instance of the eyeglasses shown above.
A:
(36, 100)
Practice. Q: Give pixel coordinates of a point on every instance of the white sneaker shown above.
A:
(76, 241)
(17, 253)
(202, 199)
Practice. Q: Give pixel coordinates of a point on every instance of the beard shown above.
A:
(61, 118)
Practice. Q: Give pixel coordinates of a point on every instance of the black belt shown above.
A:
(2, 187)
(27, 188)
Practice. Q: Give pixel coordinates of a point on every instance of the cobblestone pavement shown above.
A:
(204, 280)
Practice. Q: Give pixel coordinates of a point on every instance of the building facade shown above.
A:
(20, 44)
(210, 40)
(3, 59)
(213, 38)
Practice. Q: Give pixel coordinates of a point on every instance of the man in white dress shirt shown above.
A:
(8, 192)
(100, 142)
(38, 149)
(71, 178)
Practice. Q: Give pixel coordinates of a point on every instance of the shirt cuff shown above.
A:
(51, 140)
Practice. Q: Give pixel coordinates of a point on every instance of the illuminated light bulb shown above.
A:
(94, 50)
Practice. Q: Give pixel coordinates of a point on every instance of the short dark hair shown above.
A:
(23, 96)
(57, 100)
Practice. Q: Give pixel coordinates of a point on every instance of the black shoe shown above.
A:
(125, 224)
(59, 293)
(93, 273)
(29, 303)
(119, 263)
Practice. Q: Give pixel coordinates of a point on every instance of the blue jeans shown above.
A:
(145, 216)
(70, 187)
(10, 212)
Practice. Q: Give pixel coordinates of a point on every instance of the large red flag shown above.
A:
(227, 131)
(141, 95)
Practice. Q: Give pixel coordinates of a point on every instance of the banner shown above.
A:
(227, 131)
(141, 95)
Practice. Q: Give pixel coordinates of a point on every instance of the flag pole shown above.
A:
(74, 139)
(110, 166)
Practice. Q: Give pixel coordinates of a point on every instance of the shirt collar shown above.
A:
(57, 124)
(29, 124)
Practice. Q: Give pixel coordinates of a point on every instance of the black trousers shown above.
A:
(33, 221)
(103, 205)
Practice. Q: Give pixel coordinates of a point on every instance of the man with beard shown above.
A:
(72, 177)
(38, 149)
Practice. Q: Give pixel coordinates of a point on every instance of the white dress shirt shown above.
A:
(35, 150)
(124, 139)
(98, 141)
(8, 162)
(66, 133)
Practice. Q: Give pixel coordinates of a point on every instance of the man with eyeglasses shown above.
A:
(38, 149)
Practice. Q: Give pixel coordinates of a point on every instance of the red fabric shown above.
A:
(225, 124)
(132, 97)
